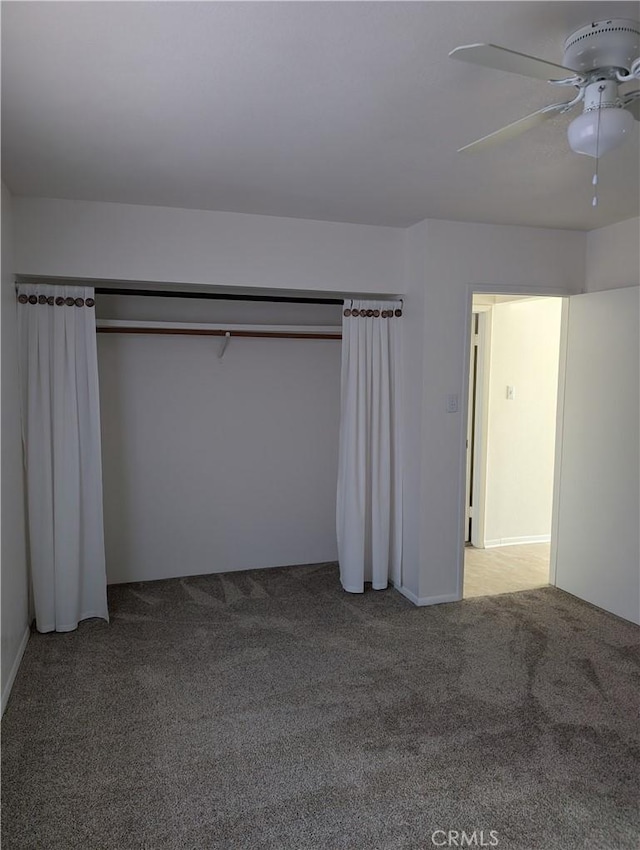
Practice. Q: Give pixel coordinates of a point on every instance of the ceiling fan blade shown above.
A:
(492, 56)
(633, 106)
(512, 130)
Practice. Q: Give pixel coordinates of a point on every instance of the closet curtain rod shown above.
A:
(216, 296)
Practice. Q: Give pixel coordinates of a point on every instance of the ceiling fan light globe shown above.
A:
(585, 138)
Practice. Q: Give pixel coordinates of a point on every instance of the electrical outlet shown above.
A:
(511, 393)
(452, 403)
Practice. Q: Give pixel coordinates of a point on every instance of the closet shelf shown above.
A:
(195, 329)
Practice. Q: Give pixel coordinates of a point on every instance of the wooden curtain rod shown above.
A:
(203, 332)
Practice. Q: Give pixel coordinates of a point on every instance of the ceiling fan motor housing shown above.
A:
(603, 44)
(602, 94)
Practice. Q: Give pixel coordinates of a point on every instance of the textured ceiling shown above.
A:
(325, 110)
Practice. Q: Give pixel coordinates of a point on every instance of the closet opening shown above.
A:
(220, 420)
(193, 458)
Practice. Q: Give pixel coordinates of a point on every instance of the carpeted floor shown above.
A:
(270, 710)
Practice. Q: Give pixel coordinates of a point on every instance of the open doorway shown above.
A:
(511, 430)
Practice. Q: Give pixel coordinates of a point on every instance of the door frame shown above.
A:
(477, 464)
(533, 292)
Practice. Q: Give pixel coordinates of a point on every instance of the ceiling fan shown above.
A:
(597, 59)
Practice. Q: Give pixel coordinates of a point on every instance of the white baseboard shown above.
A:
(516, 541)
(427, 600)
(14, 670)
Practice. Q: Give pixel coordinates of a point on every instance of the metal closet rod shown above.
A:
(140, 329)
(216, 296)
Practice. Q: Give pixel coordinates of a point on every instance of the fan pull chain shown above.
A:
(594, 181)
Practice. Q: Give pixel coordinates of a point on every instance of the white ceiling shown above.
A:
(325, 110)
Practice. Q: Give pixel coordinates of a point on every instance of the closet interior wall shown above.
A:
(213, 464)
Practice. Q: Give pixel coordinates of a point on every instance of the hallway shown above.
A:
(504, 569)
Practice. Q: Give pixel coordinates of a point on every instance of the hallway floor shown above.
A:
(505, 569)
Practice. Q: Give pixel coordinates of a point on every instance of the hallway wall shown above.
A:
(524, 355)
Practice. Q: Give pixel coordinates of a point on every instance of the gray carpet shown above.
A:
(272, 710)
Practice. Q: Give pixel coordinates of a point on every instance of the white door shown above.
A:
(597, 546)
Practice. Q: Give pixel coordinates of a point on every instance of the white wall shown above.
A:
(15, 621)
(525, 348)
(613, 256)
(598, 542)
(415, 275)
(124, 242)
(209, 464)
(596, 538)
(432, 263)
(449, 259)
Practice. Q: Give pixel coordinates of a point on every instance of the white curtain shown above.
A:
(369, 499)
(61, 435)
